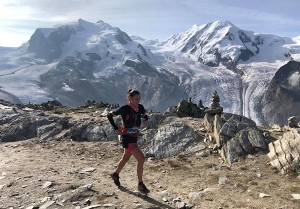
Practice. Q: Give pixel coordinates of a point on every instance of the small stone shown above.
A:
(222, 180)
(177, 199)
(107, 205)
(180, 205)
(150, 159)
(262, 195)
(87, 202)
(215, 167)
(88, 187)
(47, 184)
(60, 204)
(296, 196)
(46, 199)
(88, 170)
(251, 156)
(9, 184)
(93, 206)
(32, 207)
(47, 204)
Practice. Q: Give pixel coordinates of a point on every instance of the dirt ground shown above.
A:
(67, 174)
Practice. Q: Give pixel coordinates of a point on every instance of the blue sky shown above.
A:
(150, 19)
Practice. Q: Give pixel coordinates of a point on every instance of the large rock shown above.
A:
(171, 139)
(6, 118)
(24, 127)
(48, 131)
(227, 126)
(209, 122)
(218, 124)
(285, 153)
(235, 136)
(154, 120)
(91, 131)
(247, 141)
(188, 109)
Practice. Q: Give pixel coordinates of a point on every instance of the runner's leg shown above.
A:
(139, 155)
(126, 156)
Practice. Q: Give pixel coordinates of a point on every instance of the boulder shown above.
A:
(218, 124)
(48, 131)
(154, 120)
(247, 141)
(90, 131)
(235, 135)
(188, 109)
(284, 153)
(171, 139)
(209, 122)
(171, 111)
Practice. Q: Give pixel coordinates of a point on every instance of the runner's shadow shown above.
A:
(146, 198)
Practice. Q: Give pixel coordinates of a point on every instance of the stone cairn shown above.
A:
(200, 104)
(215, 107)
(235, 136)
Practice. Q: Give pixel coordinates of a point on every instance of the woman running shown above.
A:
(131, 115)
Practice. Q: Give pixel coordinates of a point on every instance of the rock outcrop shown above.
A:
(236, 136)
(20, 123)
(285, 153)
(186, 109)
(281, 99)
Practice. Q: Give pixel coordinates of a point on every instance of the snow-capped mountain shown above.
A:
(223, 43)
(79, 61)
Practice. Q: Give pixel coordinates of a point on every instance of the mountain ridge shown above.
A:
(86, 60)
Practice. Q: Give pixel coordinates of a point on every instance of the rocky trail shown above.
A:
(69, 174)
(68, 161)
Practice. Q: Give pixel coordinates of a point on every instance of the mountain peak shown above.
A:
(84, 22)
(51, 43)
(214, 43)
(222, 23)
